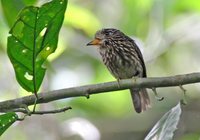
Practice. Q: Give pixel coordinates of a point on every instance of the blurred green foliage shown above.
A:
(134, 14)
(82, 18)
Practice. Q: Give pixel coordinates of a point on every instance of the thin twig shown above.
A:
(40, 112)
(51, 111)
(22, 110)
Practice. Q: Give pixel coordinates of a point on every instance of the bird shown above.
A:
(124, 60)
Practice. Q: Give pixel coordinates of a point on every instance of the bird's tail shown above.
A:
(140, 99)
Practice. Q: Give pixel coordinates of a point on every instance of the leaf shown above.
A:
(165, 127)
(6, 120)
(15, 6)
(34, 36)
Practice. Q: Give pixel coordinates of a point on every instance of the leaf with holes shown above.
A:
(32, 39)
(6, 120)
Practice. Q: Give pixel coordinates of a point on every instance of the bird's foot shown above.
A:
(156, 94)
(118, 82)
(134, 78)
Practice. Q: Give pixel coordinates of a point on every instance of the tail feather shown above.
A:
(140, 99)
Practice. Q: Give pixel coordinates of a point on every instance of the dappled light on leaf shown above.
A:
(28, 76)
(6, 120)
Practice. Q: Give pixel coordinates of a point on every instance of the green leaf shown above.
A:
(6, 120)
(15, 6)
(165, 127)
(33, 38)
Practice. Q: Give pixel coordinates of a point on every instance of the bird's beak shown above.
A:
(96, 41)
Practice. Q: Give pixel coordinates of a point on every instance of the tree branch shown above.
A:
(87, 90)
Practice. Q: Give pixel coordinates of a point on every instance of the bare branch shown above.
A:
(29, 113)
(99, 88)
(40, 112)
(51, 111)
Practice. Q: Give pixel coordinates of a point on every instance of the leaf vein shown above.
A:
(21, 43)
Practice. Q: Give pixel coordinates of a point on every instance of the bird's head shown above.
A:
(106, 37)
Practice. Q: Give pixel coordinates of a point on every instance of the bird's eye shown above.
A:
(108, 33)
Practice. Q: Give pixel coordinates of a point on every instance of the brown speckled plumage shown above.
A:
(124, 60)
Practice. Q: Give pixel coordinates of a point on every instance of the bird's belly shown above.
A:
(121, 68)
(125, 72)
(122, 71)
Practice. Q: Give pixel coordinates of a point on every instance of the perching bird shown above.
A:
(124, 60)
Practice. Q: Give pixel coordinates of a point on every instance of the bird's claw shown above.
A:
(118, 82)
(134, 78)
(156, 95)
